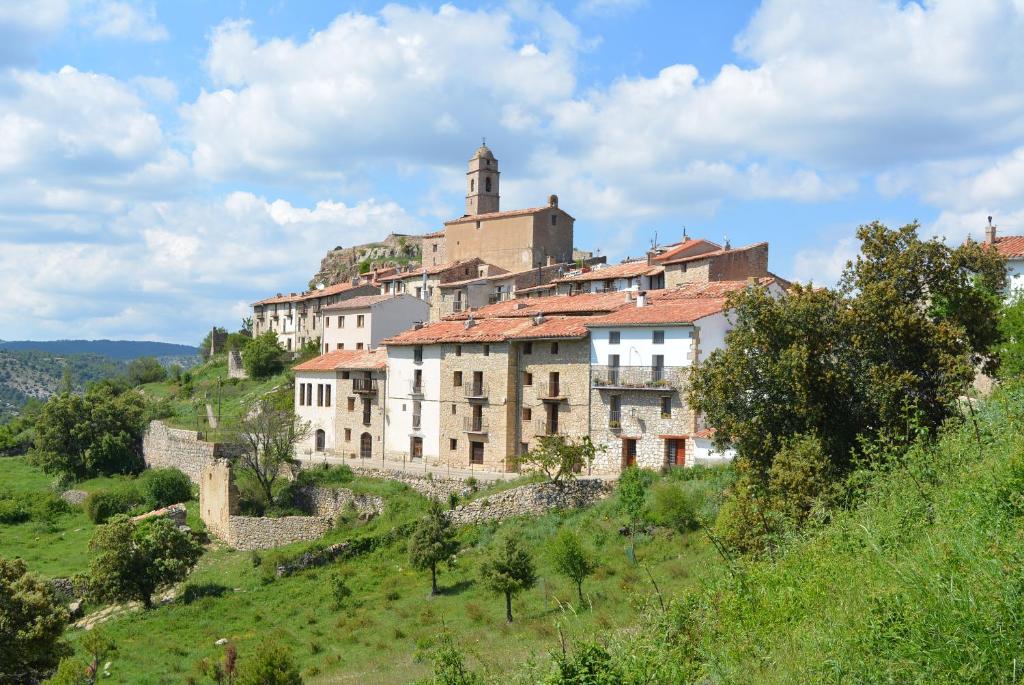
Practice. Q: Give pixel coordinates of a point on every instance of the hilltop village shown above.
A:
(504, 332)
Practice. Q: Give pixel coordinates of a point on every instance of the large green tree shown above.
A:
(570, 559)
(267, 436)
(559, 457)
(146, 370)
(134, 560)
(508, 571)
(99, 433)
(433, 542)
(263, 355)
(31, 624)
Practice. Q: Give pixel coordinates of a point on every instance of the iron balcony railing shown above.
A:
(415, 388)
(474, 424)
(638, 377)
(495, 298)
(544, 427)
(475, 390)
(549, 390)
(615, 419)
(364, 385)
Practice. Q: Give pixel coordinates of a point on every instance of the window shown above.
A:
(345, 375)
(658, 337)
(453, 409)
(527, 378)
(487, 184)
(327, 321)
(453, 444)
(319, 394)
(457, 379)
(348, 435)
(528, 348)
(337, 346)
(613, 337)
(351, 404)
(365, 446)
(302, 394)
(366, 411)
(554, 386)
(327, 348)
(472, 185)
(487, 350)
(327, 395)
(417, 381)
(527, 413)
(360, 320)
(658, 367)
(309, 394)
(341, 322)
(554, 348)
(458, 350)
(341, 346)
(417, 354)
(666, 407)
(359, 346)
(554, 219)
(524, 447)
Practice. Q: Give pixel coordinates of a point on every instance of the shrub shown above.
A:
(31, 624)
(262, 356)
(163, 487)
(102, 505)
(13, 511)
(271, 664)
(675, 506)
(340, 591)
(146, 370)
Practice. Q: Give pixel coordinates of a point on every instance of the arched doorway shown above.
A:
(365, 446)
(321, 440)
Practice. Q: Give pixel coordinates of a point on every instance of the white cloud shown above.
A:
(608, 6)
(24, 24)
(127, 20)
(824, 266)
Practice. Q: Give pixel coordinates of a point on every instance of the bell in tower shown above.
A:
(482, 182)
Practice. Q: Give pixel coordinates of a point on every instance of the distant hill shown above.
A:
(124, 350)
(28, 374)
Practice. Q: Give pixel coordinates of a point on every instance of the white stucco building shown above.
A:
(362, 322)
(412, 404)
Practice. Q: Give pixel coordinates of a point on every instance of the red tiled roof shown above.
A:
(279, 299)
(706, 255)
(435, 234)
(346, 359)
(1010, 246)
(710, 289)
(431, 270)
(488, 330)
(688, 247)
(312, 294)
(552, 327)
(496, 274)
(661, 312)
(536, 288)
(359, 302)
(624, 270)
(498, 215)
(585, 303)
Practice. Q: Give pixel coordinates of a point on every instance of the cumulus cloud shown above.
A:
(126, 20)
(26, 23)
(824, 266)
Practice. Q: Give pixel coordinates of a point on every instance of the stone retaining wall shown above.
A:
(433, 488)
(332, 501)
(259, 532)
(536, 498)
(166, 447)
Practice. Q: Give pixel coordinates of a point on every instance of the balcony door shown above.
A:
(628, 452)
(476, 453)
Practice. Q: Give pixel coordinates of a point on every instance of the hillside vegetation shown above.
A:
(26, 374)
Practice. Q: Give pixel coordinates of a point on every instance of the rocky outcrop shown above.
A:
(342, 263)
(533, 499)
(74, 497)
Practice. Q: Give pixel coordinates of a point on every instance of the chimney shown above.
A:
(990, 233)
(416, 325)
(538, 319)
(470, 322)
(551, 260)
(650, 258)
(641, 298)
(629, 296)
(552, 201)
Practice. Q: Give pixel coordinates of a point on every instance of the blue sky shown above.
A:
(164, 164)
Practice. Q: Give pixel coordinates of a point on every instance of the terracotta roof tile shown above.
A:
(359, 302)
(497, 215)
(686, 248)
(435, 234)
(312, 294)
(1010, 246)
(586, 303)
(661, 312)
(624, 270)
(490, 330)
(706, 255)
(431, 270)
(346, 359)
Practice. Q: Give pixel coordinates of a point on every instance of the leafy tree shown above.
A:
(262, 357)
(246, 326)
(133, 560)
(272, 664)
(433, 542)
(164, 487)
(570, 559)
(75, 670)
(267, 437)
(1010, 350)
(204, 346)
(84, 436)
(560, 457)
(146, 370)
(508, 571)
(31, 624)
(589, 663)
(632, 500)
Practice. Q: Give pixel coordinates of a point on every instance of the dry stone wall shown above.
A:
(259, 532)
(433, 488)
(536, 498)
(165, 447)
(332, 501)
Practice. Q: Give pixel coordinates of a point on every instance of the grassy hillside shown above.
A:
(921, 582)
(124, 350)
(28, 374)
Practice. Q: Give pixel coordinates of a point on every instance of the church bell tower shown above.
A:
(482, 182)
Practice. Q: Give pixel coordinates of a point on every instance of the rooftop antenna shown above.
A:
(684, 232)
(727, 245)
(483, 141)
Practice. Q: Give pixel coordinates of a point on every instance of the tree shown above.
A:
(32, 621)
(74, 670)
(272, 664)
(262, 356)
(146, 370)
(433, 542)
(164, 487)
(450, 666)
(134, 560)
(560, 457)
(204, 346)
(632, 499)
(508, 571)
(1010, 351)
(267, 437)
(570, 559)
(99, 433)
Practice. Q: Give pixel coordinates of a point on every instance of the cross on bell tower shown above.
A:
(482, 182)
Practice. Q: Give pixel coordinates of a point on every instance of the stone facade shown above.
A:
(514, 240)
(483, 414)
(570, 359)
(235, 367)
(177, 448)
(531, 499)
(253, 532)
(728, 265)
(359, 414)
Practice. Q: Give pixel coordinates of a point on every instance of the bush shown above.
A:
(271, 664)
(675, 505)
(146, 370)
(262, 356)
(41, 507)
(12, 511)
(326, 474)
(163, 487)
(102, 505)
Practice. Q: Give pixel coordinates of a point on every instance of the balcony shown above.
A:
(475, 391)
(544, 427)
(546, 390)
(615, 420)
(495, 298)
(416, 388)
(638, 377)
(364, 385)
(474, 424)
(417, 421)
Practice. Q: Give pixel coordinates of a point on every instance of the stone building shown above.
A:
(424, 282)
(296, 317)
(1011, 249)
(362, 322)
(497, 285)
(724, 264)
(635, 275)
(340, 394)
